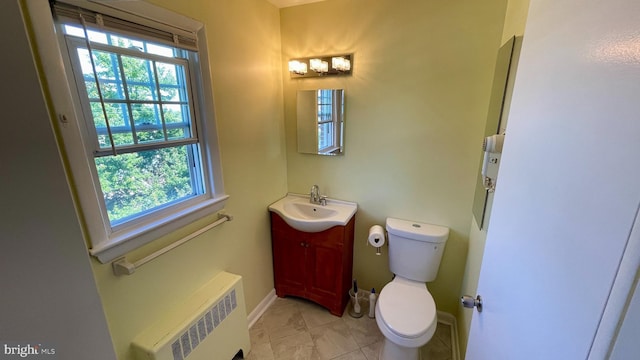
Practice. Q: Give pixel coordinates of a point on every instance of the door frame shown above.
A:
(621, 293)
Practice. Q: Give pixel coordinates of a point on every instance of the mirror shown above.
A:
(496, 122)
(320, 121)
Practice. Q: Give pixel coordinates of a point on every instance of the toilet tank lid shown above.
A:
(417, 231)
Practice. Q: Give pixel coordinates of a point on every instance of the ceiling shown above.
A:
(287, 3)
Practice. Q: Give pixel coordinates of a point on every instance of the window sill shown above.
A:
(118, 244)
(330, 150)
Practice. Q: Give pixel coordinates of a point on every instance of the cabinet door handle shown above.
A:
(302, 243)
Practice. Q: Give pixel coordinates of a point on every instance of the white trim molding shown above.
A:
(257, 312)
(450, 320)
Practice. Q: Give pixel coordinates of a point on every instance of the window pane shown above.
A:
(108, 73)
(324, 113)
(139, 182)
(167, 74)
(94, 36)
(141, 92)
(325, 106)
(124, 42)
(90, 85)
(111, 89)
(171, 79)
(118, 121)
(175, 113)
(160, 50)
(117, 114)
(146, 118)
(145, 136)
(140, 79)
(106, 66)
(145, 114)
(98, 115)
(325, 135)
(170, 93)
(179, 133)
(74, 30)
(125, 138)
(137, 70)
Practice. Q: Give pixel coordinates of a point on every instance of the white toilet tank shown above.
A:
(415, 249)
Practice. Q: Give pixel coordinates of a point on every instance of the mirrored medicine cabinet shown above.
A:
(320, 121)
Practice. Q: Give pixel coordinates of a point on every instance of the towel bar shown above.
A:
(123, 267)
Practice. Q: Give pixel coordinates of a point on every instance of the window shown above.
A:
(144, 127)
(146, 149)
(326, 126)
(330, 110)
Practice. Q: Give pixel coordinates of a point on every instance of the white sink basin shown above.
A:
(300, 214)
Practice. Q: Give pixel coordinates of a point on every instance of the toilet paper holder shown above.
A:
(376, 238)
(378, 248)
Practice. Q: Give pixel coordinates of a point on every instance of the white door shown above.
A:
(569, 183)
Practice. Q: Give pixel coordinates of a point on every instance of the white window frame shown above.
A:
(336, 121)
(107, 244)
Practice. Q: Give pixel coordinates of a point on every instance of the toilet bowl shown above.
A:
(406, 316)
(405, 310)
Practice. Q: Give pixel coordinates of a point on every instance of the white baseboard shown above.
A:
(262, 307)
(450, 320)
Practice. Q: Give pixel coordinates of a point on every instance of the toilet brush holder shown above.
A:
(357, 306)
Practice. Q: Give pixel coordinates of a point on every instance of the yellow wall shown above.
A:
(415, 110)
(245, 54)
(516, 19)
(513, 26)
(415, 113)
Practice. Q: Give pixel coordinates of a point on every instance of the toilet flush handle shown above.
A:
(469, 302)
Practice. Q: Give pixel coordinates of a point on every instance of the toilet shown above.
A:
(405, 310)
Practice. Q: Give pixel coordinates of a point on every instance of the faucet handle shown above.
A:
(323, 200)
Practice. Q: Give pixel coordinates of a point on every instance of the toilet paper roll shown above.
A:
(376, 236)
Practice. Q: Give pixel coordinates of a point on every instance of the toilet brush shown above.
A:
(356, 305)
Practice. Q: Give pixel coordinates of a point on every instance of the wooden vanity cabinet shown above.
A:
(315, 266)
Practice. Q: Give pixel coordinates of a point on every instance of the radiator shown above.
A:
(210, 325)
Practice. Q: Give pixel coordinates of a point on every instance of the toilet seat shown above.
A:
(407, 310)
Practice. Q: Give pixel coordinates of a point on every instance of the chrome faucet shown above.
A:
(316, 198)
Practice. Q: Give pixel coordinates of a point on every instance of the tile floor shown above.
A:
(294, 328)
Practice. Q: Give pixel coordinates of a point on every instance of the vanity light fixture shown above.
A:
(326, 65)
(340, 63)
(319, 65)
(297, 67)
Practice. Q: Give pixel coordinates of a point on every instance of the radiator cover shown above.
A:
(210, 325)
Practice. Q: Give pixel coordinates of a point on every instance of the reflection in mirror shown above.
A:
(320, 121)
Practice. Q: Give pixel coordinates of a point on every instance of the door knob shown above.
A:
(469, 302)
